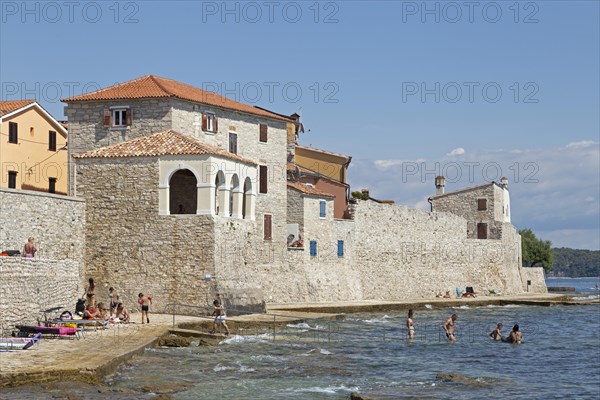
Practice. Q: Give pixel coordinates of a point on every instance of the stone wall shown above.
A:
(56, 222)
(133, 248)
(30, 286)
(537, 277)
(464, 203)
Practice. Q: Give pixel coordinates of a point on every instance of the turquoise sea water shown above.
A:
(368, 353)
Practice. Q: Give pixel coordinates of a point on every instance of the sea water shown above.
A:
(370, 354)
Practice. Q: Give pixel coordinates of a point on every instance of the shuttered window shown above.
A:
(322, 208)
(51, 140)
(481, 204)
(268, 226)
(340, 248)
(210, 122)
(263, 133)
(13, 132)
(313, 248)
(482, 231)
(12, 179)
(263, 178)
(232, 142)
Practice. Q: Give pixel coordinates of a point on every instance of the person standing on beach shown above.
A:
(144, 302)
(219, 314)
(410, 325)
(29, 249)
(89, 290)
(497, 333)
(449, 327)
(113, 297)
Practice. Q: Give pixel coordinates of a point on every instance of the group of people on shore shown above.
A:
(515, 335)
(116, 311)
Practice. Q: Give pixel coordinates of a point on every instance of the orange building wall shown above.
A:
(325, 164)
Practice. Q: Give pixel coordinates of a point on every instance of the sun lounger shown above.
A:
(19, 343)
(47, 330)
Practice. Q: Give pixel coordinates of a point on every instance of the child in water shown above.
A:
(496, 334)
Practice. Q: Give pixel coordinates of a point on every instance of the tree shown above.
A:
(536, 251)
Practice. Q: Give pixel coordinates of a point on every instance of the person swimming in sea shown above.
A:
(515, 336)
(496, 334)
(449, 328)
(410, 325)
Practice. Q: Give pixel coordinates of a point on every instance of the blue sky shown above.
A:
(398, 85)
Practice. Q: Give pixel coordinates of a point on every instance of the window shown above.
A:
(482, 230)
(340, 248)
(121, 117)
(52, 141)
(481, 204)
(51, 185)
(263, 132)
(267, 226)
(263, 174)
(233, 142)
(322, 208)
(313, 248)
(209, 122)
(13, 132)
(12, 179)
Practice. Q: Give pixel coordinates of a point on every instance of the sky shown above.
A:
(471, 90)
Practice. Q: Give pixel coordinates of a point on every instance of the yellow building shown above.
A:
(330, 164)
(33, 146)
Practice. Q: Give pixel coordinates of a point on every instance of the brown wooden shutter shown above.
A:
(128, 117)
(107, 118)
(216, 124)
(204, 122)
(482, 231)
(263, 179)
(268, 226)
(481, 204)
(263, 133)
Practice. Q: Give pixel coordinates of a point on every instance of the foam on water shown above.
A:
(429, 306)
(327, 389)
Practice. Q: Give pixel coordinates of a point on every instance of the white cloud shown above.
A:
(581, 144)
(456, 152)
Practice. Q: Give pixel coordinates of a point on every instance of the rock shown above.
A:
(166, 388)
(357, 396)
(456, 378)
(174, 341)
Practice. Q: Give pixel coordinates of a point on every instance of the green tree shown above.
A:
(536, 251)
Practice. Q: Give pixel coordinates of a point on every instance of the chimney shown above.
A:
(365, 192)
(504, 181)
(439, 185)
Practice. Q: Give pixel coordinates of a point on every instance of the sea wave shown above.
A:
(377, 320)
(265, 337)
(587, 298)
(326, 389)
(428, 306)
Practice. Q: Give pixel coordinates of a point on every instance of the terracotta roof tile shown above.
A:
(151, 86)
(310, 190)
(161, 144)
(9, 106)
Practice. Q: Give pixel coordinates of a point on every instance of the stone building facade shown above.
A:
(167, 205)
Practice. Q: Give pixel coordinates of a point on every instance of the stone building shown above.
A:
(180, 184)
(486, 207)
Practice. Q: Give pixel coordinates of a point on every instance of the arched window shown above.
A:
(183, 192)
(219, 182)
(233, 187)
(246, 201)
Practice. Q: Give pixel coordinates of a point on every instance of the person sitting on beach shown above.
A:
(219, 314)
(447, 295)
(122, 313)
(410, 325)
(29, 249)
(496, 334)
(144, 302)
(92, 312)
(449, 327)
(515, 336)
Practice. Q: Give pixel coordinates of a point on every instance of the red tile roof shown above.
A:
(151, 86)
(161, 144)
(9, 106)
(310, 190)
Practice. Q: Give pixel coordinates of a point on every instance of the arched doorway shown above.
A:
(183, 192)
